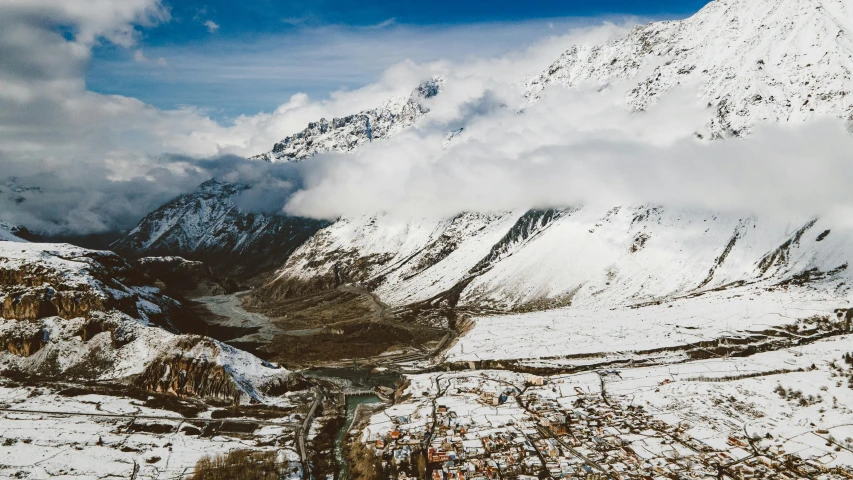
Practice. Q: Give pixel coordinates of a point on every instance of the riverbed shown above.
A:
(247, 327)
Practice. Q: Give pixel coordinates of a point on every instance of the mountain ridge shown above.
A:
(345, 134)
(754, 61)
(208, 225)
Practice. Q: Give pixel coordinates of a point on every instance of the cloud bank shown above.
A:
(585, 147)
(78, 162)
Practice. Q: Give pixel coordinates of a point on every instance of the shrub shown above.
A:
(240, 465)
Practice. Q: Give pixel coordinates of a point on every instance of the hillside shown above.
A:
(207, 225)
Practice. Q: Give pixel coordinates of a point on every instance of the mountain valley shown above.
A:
(548, 341)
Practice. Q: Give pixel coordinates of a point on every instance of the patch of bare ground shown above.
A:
(318, 309)
(263, 412)
(348, 340)
(350, 323)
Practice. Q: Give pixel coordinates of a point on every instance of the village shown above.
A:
(488, 427)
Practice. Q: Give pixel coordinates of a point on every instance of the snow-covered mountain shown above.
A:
(347, 133)
(75, 313)
(207, 225)
(776, 60)
(755, 61)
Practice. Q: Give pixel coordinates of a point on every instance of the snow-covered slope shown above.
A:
(581, 256)
(207, 225)
(77, 313)
(11, 233)
(347, 133)
(754, 60)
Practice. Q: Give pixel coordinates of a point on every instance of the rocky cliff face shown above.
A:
(44, 280)
(208, 226)
(185, 278)
(72, 313)
(754, 61)
(347, 133)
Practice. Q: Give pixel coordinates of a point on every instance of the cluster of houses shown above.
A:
(541, 436)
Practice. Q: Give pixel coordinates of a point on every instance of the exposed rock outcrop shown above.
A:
(75, 314)
(345, 134)
(185, 278)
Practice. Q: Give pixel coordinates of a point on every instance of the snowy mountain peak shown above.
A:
(773, 60)
(348, 133)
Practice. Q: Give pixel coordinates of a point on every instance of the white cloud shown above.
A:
(110, 159)
(212, 26)
(385, 23)
(139, 57)
(585, 147)
(103, 161)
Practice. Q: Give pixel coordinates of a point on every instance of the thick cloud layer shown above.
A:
(583, 146)
(76, 162)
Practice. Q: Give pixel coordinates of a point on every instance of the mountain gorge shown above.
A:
(780, 61)
(532, 338)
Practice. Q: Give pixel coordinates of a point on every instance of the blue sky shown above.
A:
(230, 58)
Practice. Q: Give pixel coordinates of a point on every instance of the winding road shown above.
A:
(303, 433)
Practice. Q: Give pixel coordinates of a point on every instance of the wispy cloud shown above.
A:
(385, 23)
(139, 57)
(212, 26)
